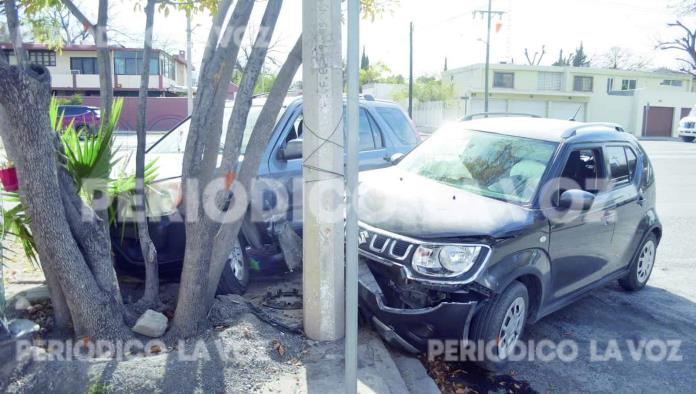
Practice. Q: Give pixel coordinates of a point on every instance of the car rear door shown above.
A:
(625, 195)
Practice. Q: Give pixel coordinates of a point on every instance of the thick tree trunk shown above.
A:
(61, 313)
(262, 132)
(24, 95)
(150, 297)
(200, 157)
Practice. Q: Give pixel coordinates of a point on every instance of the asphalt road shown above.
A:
(665, 310)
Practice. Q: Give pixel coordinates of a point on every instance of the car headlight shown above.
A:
(444, 260)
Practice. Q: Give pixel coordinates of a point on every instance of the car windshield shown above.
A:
(499, 166)
(175, 141)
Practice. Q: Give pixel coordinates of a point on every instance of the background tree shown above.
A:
(562, 61)
(580, 58)
(427, 88)
(621, 59)
(364, 60)
(686, 44)
(444, 68)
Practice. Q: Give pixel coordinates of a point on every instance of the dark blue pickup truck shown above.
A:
(385, 131)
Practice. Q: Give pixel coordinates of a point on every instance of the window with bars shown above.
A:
(582, 83)
(549, 81)
(44, 58)
(84, 65)
(503, 80)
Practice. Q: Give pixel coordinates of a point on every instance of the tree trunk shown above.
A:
(150, 297)
(106, 90)
(77, 263)
(15, 33)
(200, 157)
(262, 132)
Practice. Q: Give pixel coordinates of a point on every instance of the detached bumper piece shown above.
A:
(411, 328)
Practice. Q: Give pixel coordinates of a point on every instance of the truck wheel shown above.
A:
(642, 265)
(500, 321)
(235, 274)
(687, 138)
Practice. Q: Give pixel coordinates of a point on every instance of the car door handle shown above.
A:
(641, 198)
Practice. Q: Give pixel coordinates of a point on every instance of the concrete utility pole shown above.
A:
(324, 206)
(410, 71)
(189, 66)
(490, 14)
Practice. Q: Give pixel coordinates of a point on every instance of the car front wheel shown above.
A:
(501, 322)
(642, 265)
(687, 138)
(235, 274)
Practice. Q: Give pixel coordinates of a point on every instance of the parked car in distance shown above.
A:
(385, 130)
(687, 126)
(494, 223)
(83, 118)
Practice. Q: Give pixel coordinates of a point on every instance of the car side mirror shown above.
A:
(393, 159)
(576, 200)
(292, 150)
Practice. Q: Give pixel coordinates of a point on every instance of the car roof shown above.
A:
(546, 129)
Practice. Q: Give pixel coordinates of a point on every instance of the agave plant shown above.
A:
(89, 159)
(15, 222)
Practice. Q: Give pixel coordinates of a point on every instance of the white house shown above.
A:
(647, 103)
(74, 69)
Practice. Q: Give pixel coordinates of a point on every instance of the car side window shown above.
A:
(632, 162)
(619, 173)
(585, 167)
(369, 136)
(296, 129)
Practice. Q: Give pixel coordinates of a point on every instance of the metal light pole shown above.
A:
(489, 13)
(189, 71)
(488, 57)
(410, 71)
(351, 130)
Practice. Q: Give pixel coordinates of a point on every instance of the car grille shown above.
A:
(385, 245)
(689, 125)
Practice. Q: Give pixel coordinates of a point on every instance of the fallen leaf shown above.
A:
(278, 347)
(155, 349)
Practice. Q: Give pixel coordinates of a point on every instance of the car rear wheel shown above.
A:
(642, 265)
(235, 274)
(687, 138)
(501, 321)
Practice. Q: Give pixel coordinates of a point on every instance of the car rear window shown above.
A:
(397, 122)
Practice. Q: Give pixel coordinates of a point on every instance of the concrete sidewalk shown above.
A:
(379, 370)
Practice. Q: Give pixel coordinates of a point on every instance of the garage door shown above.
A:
(566, 111)
(528, 107)
(657, 121)
(477, 105)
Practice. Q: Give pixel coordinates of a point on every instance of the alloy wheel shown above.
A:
(511, 328)
(646, 260)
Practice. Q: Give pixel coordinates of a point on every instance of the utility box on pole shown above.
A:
(323, 191)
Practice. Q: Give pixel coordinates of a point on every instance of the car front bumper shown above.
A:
(412, 328)
(687, 132)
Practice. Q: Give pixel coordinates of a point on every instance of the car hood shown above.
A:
(405, 203)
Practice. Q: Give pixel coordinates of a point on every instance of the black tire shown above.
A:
(231, 282)
(687, 138)
(641, 266)
(487, 325)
